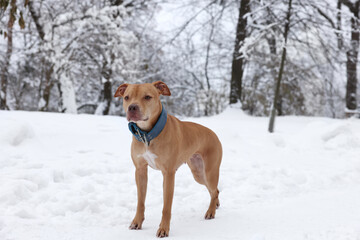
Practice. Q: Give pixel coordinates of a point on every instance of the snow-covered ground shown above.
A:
(71, 177)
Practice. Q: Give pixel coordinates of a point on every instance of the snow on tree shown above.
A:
(73, 54)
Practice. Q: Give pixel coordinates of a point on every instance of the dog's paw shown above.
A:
(135, 225)
(162, 232)
(210, 214)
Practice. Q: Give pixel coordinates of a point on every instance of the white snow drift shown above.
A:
(71, 177)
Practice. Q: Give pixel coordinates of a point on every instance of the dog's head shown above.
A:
(142, 101)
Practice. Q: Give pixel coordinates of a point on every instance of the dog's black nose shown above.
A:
(133, 108)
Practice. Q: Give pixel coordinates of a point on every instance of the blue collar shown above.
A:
(146, 137)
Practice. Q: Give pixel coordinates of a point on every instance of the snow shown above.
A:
(71, 177)
(100, 108)
(68, 94)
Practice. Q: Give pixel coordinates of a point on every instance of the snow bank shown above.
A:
(71, 177)
(17, 133)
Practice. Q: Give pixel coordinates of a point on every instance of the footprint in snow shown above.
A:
(58, 176)
(34, 166)
(85, 172)
(278, 141)
(77, 206)
(82, 151)
(24, 214)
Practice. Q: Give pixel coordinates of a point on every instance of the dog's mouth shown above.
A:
(136, 118)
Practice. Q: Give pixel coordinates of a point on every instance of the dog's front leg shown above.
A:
(141, 183)
(168, 188)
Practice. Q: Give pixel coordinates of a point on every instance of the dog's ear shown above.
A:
(162, 88)
(121, 90)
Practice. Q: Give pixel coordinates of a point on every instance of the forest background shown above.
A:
(70, 56)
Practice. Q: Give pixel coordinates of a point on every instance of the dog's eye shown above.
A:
(147, 97)
(126, 98)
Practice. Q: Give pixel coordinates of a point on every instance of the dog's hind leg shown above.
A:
(208, 175)
(212, 178)
(212, 160)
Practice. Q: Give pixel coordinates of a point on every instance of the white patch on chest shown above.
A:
(149, 158)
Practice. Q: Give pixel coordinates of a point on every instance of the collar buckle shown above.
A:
(141, 137)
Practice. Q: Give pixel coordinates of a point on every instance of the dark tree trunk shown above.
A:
(106, 93)
(272, 47)
(5, 69)
(61, 107)
(283, 57)
(47, 89)
(237, 69)
(352, 55)
(352, 59)
(107, 97)
(36, 18)
(338, 27)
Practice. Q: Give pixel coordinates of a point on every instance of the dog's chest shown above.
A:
(149, 158)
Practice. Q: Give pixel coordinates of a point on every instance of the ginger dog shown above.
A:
(164, 143)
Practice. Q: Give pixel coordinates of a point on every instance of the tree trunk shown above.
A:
(352, 59)
(272, 47)
(49, 69)
(283, 57)
(338, 19)
(36, 19)
(107, 97)
(45, 96)
(5, 69)
(106, 93)
(237, 69)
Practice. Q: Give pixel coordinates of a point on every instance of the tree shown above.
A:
(283, 56)
(352, 56)
(48, 67)
(53, 49)
(237, 69)
(9, 51)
